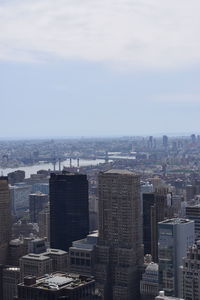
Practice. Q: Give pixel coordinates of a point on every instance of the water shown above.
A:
(46, 166)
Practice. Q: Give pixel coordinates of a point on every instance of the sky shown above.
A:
(99, 67)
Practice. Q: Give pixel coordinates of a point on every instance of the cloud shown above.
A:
(179, 98)
(139, 33)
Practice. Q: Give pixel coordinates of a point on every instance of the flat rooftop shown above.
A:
(59, 280)
(176, 221)
(32, 256)
(119, 171)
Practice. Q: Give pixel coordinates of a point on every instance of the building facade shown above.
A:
(69, 211)
(149, 282)
(119, 250)
(5, 219)
(37, 202)
(191, 273)
(175, 237)
(58, 286)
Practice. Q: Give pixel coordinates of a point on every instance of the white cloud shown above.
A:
(140, 33)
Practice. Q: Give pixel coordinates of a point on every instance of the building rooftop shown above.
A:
(153, 267)
(54, 251)
(57, 281)
(118, 171)
(176, 221)
(32, 256)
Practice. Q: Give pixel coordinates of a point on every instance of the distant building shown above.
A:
(119, 251)
(40, 187)
(20, 198)
(57, 286)
(37, 202)
(175, 236)
(69, 209)
(165, 141)
(5, 219)
(16, 176)
(149, 282)
(81, 255)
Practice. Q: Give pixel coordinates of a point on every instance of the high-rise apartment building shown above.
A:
(175, 237)
(119, 250)
(69, 212)
(5, 219)
(191, 273)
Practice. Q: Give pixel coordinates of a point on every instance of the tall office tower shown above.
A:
(119, 250)
(165, 141)
(175, 237)
(191, 273)
(159, 211)
(148, 202)
(69, 212)
(193, 213)
(37, 202)
(5, 218)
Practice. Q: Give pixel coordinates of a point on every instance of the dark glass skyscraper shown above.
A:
(69, 212)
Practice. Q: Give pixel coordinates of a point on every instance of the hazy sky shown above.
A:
(99, 67)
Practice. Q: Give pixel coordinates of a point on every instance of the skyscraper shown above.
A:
(119, 251)
(148, 203)
(175, 237)
(69, 213)
(5, 218)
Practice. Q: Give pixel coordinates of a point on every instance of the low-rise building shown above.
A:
(57, 286)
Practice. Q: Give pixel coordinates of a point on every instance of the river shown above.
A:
(46, 166)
